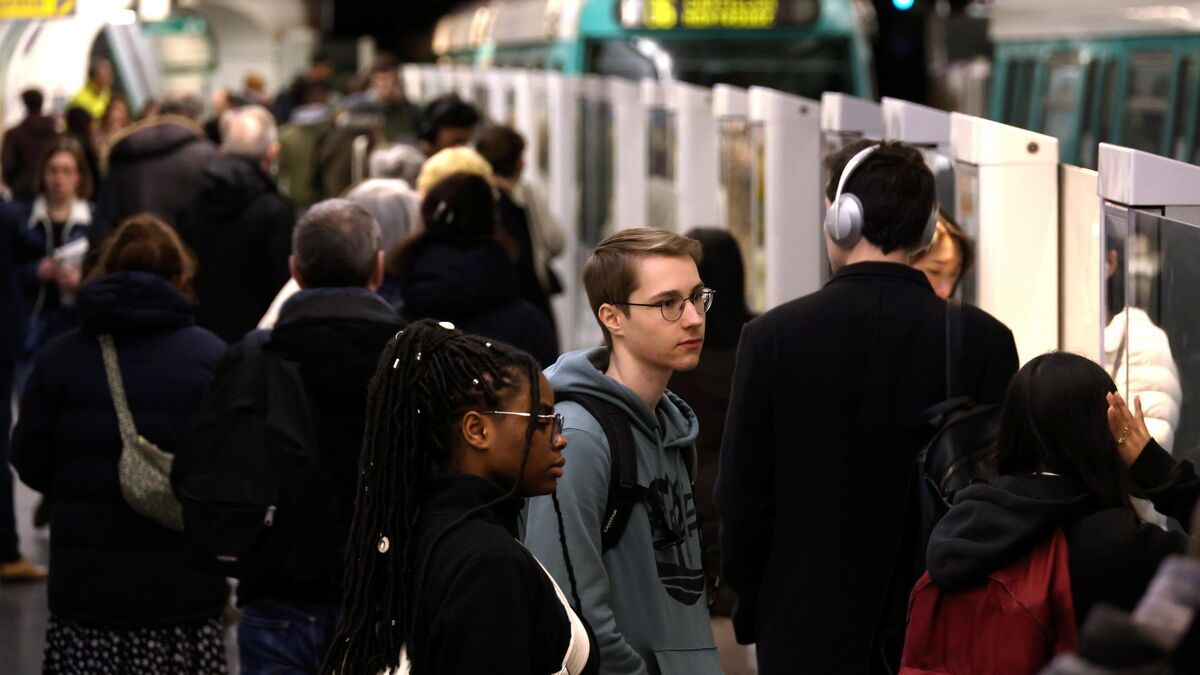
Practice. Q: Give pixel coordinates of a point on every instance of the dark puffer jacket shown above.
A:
(241, 234)
(109, 565)
(153, 166)
(477, 290)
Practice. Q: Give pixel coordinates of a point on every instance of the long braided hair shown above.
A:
(427, 378)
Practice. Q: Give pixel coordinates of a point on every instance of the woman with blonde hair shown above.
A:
(125, 593)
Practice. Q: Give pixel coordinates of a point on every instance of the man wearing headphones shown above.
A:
(819, 450)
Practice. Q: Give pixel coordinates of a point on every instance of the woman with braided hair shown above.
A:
(459, 429)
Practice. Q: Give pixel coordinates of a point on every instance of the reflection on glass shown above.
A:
(660, 184)
(594, 170)
(543, 134)
(966, 208)
(482, 96)
(738, 187)
(1064, 87)
(1159, 325)
(510, 106)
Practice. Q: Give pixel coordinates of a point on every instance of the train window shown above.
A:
(1183, 103)
(806, 67)
(1146, 105)
(1020, 85)
(1066, 85)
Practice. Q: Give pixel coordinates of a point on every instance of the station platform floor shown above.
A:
(23, 610)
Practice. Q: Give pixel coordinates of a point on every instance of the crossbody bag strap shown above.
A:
(116, 387)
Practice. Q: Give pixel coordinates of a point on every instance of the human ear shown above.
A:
(474, 429)
(612, 318)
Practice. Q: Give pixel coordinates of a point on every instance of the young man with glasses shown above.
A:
(629, 521)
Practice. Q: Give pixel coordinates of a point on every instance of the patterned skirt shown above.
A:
(74, 648)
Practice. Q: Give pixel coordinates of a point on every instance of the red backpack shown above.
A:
(1015, 622)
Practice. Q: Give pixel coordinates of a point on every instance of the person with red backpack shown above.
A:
(1016, 565)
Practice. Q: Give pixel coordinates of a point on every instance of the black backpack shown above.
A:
(249, 476)
(961, 449)
(623, 489)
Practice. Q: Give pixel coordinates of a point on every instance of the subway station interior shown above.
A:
(1063, 137)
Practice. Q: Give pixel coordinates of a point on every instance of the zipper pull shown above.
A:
(269, 519)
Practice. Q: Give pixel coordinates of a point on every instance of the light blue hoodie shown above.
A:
(644, 598)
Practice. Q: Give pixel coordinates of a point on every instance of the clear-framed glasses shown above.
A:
(556, 419)
(672, 308)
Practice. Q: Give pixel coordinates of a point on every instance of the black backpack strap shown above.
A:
(623, 489)
(954, 348)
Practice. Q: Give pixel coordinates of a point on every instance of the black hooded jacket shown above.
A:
(477, 290)
(336, 335)
(486, 603)
(108, 564)
(1113, 554)
(155, 166)
(241, 234)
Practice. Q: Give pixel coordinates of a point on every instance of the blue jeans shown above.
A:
(276, 637)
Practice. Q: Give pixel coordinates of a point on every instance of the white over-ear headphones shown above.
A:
(844, 219)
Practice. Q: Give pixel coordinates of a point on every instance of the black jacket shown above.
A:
(817, 460)
(109, 565)
(486, 604)
(336, 335)
(477, 290)
(23, 148)
(241, 234)
(155, 166)
(1113, 554)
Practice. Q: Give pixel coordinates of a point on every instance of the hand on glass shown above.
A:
(1128, 428)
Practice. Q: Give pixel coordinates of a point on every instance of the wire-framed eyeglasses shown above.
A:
(556, 419)
(672, 308)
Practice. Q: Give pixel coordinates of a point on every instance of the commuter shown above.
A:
(154, 166)
(298, 140)
(1056, 531)
(638, 562)
(396, 208)
(829, 386)
(58, 216)
(334, 329)
(115, 118)
(446, 122)
(254, 90)
(459, 429)
(97, 91)
(398, 114)
(79, 127)
(125, 593)
(150, 109)
(25, 145)
(240, 228)
(948, 258)
(13, 565)
(320, 69)
(457, 270)
(524, 216)
(457, 159)
(706, 389)
(222, 102)
(344, 151)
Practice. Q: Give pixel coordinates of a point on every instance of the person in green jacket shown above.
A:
(644, 596)
(298, 141)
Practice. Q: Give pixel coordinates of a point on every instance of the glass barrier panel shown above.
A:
(966, 201)
(660, 184)
(1161, 326)
(756, 254)
(737, 183)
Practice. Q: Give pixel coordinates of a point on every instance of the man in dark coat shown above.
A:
(240, 228)
(153, 166)
(24, 146)
(817, 461)
(335, 328)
